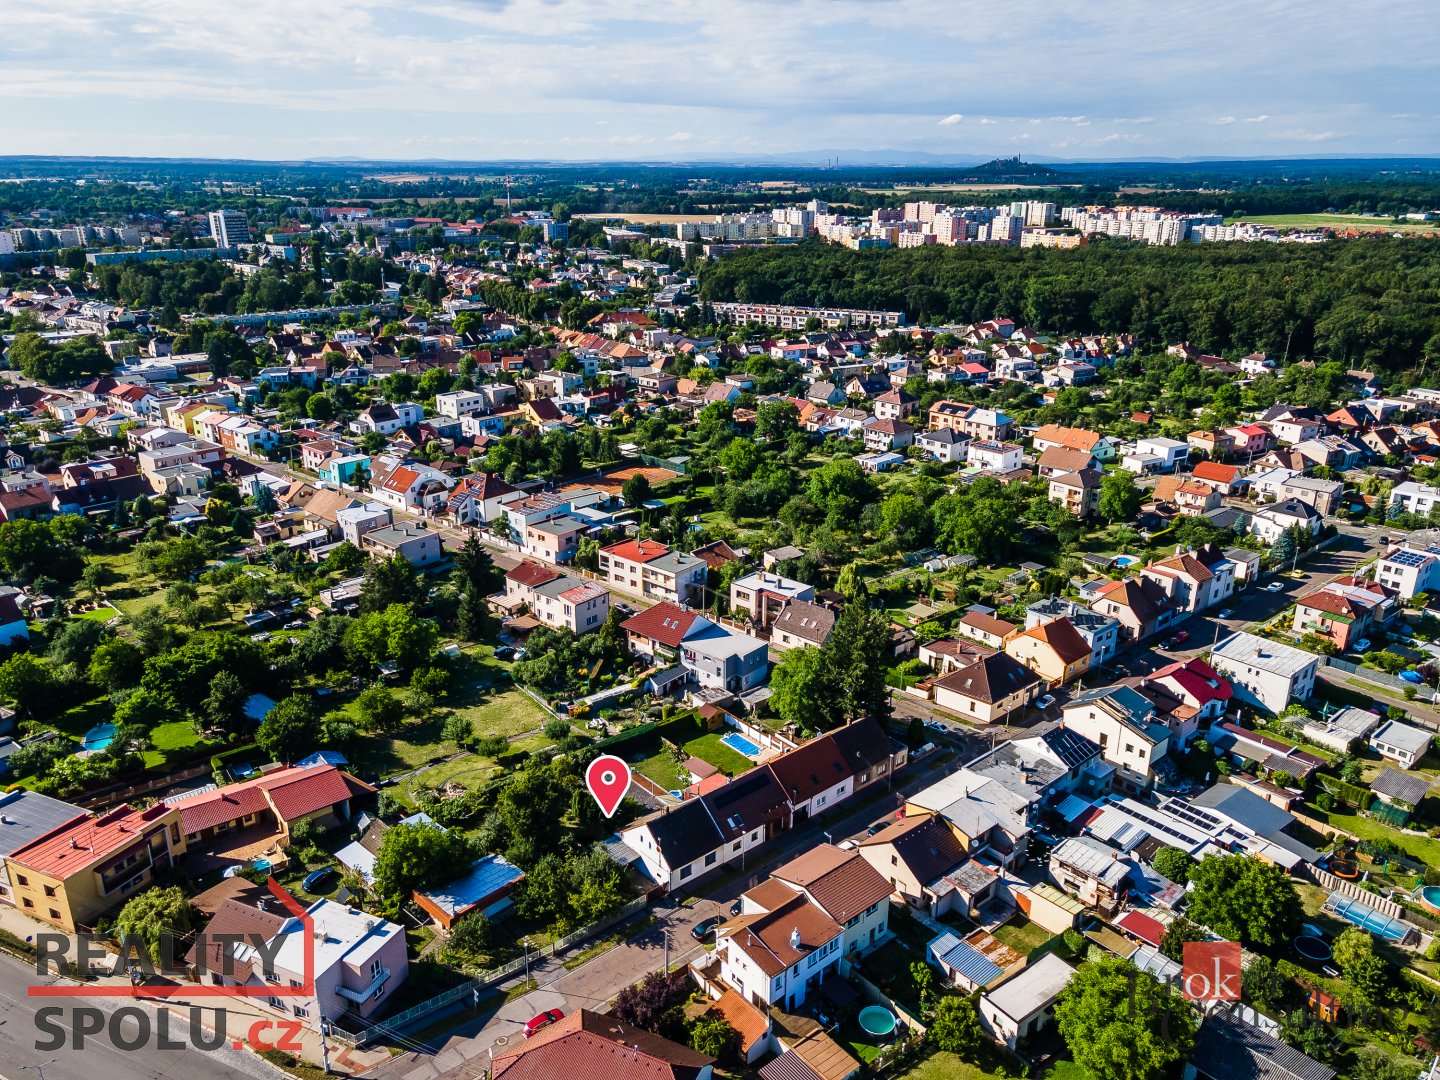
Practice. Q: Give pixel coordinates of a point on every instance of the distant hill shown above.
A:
(1011, 169)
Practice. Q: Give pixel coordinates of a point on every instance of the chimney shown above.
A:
(795, 939)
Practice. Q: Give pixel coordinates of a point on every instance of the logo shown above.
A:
(215, 959)
(1210, 971)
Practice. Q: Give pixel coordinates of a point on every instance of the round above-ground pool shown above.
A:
(98, 737)
(1312, 948)
(876, 1020)
(1430, 897)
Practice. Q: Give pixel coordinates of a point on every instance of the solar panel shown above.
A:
(1408, 558)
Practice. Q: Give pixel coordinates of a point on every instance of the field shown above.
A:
(1340, 221)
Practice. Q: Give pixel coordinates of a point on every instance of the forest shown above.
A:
(1371, 302)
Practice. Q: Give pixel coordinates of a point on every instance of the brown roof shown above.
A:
(748, 1021)
(716, 554)
(810, 769)
(665, 622)
(1060, 634)
(988, 624)
(530, 574)
(235, 917)
(765, 937)
(1065, 459)
(770, 894)
(1165, 488)
(842, 883)
(1075, 438)
(989, 678)
(590, 1046)
(807, 620)
(924, 843)
(1215, 471)
(212, 899)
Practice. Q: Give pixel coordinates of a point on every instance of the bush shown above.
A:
(556, 729)
(1325, 801)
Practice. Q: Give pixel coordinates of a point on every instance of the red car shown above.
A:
(1182, 637)
(544, 1020)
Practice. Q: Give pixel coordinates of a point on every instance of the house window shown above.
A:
(50, 891)
(54, 914)
(27, 901)
(22, 879)
(710, 859)
(684, 873)
(301, 1012)
(378, 991)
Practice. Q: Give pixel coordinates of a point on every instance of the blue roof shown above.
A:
(324, 757)
(487, 877)
(964, 959)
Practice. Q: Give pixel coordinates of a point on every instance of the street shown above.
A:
(596, 982)
(19, 1034)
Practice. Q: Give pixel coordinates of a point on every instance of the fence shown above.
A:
(438, 1006)
(1369, 674)
(1327, 880)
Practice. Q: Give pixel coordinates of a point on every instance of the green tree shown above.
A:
(157, 914)
(955, 1027)
(115, 665)
(30, 683)
(223, 709)
(1120, 496)
(1173, 863)
(1121, 1024)
(1242, 899)
(290, 730)
(1263, 984)
(396, 635)
(636, 490)
(803, 686)
(1178, 934)
(380, 710)
(388, 582)
(714, 1036)
(420, 857)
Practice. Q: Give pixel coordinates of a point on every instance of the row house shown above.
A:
(1194, 580)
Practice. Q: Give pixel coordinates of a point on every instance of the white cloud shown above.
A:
(1223, 121)
(1257, 119)
(1299, 135)
(987, 121)
(680, 136)
(953, 118)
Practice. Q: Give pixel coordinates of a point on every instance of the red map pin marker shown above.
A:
(608, 778)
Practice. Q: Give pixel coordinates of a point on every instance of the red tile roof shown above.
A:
(87, 841)
(531, 574)
(666, 623)
(1147, 929)
(641, 551)
(291, 793)
(589, 1046)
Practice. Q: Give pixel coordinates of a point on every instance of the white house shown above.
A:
(1123, 723)
(1414, 498)
(1171, 452)
(1401, 743)
(1024, 1004)
(1409, 570)
(844, 886)
(995, 457)
(1270, 521)
(779, 957)
(1265, 673)
(944, 445)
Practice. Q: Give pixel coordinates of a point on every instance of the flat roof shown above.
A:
(1034, 988)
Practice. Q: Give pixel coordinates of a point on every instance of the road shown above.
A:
(596, 982)
(19, 1034)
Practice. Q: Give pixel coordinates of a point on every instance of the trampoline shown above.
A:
(1367, 918)
(1313, 949)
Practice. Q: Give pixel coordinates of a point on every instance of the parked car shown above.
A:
(504, 652)
(1045, 701)
(877, 826)
(542, 1021)
(1225, 613)
(295, 624)
(936, 725)
(1275, 586)
(1182, 637)
(705, 927)
(1362, 646)
(735, 908)
(316, 878)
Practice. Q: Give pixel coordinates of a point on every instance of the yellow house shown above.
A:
(181, 415)
(1053, 650)
(74, 874)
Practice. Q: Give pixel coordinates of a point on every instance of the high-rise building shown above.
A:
(229, 227)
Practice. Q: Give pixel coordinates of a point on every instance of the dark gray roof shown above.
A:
(27, 816)
(685, 834)
(1257, 814)
(1406, 786)
(1228, 1049)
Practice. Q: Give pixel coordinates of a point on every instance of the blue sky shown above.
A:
(642, 79)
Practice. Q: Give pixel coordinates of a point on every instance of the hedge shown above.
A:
(1352, 794)
(218, 761)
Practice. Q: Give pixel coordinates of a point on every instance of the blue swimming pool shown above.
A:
(1366, 917)
(742, 745)
(98, 737)
(1122, 561)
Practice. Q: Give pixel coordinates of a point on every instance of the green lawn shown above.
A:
(710, 748)
(1023, 936)
(664, 770)
(1066, 1070)
(942, 1065)
(1422, 848)
(169, 739)
(469, 772)
(508, 712)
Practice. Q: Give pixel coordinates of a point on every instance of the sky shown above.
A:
(667, 80)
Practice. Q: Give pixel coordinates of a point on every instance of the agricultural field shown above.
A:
(1341, 221)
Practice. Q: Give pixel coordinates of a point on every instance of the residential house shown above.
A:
(1265, 673)
(1059, 460)
(1053, 650)
(409, 487)
(1195, 498)
(651, 570)
(88, 866)
(355, 521)
(1323, 495)
(557, 600)
(779, 958)
(1401, 743)
(1226, 479)
(1124, 724)
(1291, 425)
(1172, 453)
(1140, 606)
(801, 623)
(1051, 435)
(986, 425)
(28, 815)
(713, 656)
(587, 1043)
(880, 435)
(1202, 691)
(846, 887)
(987, 687)
(1249, 440)
(554, 540)
(982, 626)
(895, 405)
(413, 542)
(761, 596)
(1269, 522)
(1194, 580)
(925, 862)
(273, 803)
(944, 445)
(387, 419)
(1024, 1004)
(1091, 871)
(1078, 492)
(1228, 1048)
(1345, 611)
(994, 457)
(1414, 498)
(1409, 570)
(1100, 632)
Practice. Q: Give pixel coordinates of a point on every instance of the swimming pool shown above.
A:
(98, 737)
(739, 743)
(1366, 917)
(1122, 561)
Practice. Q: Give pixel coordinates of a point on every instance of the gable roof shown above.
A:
(590, 1046)
(1227, 1048)
(1062, 637)
(924, 843)
(685, 834)
(989, 677)
(665, 622)
(842, 883)
(1075, 438)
